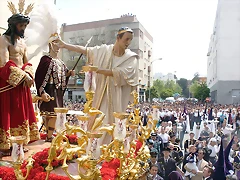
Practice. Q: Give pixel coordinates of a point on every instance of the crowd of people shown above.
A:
(76, 106)
(190, 140)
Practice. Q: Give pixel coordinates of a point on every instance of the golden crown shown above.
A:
(53, 37)
(21, 5)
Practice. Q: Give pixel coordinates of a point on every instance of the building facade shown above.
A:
(165, 78)
(223, 75)
(105, 32)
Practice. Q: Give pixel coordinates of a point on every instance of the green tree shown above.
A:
(175, 88)
(159, 86)
(166, 93)
(153, 93)
(183, 83)
(202, 92)
(193, 88)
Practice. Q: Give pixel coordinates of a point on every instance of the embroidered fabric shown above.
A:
(56, 74)
(16, 76)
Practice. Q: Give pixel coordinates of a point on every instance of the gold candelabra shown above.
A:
(126, 132)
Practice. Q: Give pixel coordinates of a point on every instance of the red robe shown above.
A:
(17, 117)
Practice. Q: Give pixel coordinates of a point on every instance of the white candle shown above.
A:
(97, 152)
(87, 81)
(120, 129)
(17, 152)
(133, 135)
(60, 122)
(88, 146)
(126, 145)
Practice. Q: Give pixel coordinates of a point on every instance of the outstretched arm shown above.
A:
(70, 47)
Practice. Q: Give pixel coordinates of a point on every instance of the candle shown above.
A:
(97, 151)
(61, 119)
(120, 129)
(17, 152)
(88, 146)
(87, 81)
(126, 145)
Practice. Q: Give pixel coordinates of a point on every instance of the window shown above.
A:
(141, 34)
(69, 94)
(149, 53)
(71, 40)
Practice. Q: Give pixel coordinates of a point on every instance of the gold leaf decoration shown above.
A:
(12, 8)
(29, 9)
(21, 6)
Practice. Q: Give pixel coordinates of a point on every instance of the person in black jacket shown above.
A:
(167, 164)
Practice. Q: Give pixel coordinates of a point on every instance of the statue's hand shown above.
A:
(59, 43)
(28, 81)
(46, 97)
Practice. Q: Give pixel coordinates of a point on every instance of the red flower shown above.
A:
(138, 146)
(109, 169)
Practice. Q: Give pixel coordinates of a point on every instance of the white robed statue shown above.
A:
(116, 77)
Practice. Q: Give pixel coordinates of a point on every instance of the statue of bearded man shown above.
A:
(17, 117)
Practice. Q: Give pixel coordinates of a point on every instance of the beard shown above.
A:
(19, 33)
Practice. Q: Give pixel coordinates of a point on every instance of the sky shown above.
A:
(181, 29)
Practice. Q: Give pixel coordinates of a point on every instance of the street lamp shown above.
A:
(149, 79)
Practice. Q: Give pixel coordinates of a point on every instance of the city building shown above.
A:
(104, 32)
(202, 79)
(165, 78)
(223, 75)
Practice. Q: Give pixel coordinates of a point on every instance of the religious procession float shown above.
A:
(125, 157)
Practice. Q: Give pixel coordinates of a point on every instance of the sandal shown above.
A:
(49, 139)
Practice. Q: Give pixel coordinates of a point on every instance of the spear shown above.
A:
(79, 59)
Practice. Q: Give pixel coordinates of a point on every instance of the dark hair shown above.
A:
(12, 22)
(202, 151)
(210, 169)
(121, 35)
(124, 29)
(153, 165)
(177, 140)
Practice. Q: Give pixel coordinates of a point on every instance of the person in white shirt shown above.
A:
(169, 126)
(214, 150)
(165, 137)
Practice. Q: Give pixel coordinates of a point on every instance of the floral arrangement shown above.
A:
(38, 170)
(109, 169)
